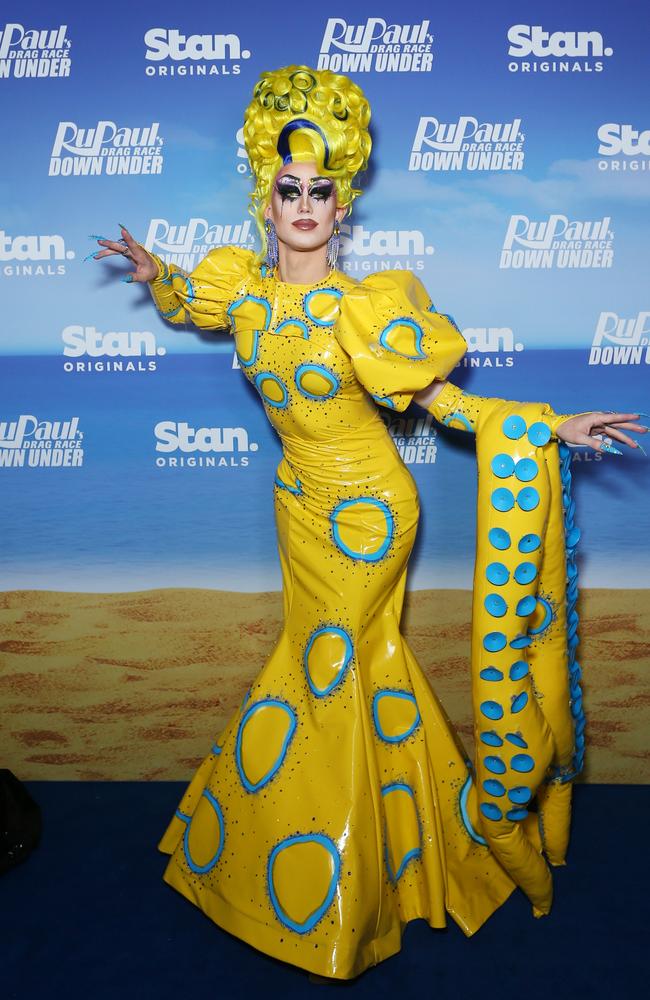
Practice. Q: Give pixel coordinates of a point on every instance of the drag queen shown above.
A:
(338, 803)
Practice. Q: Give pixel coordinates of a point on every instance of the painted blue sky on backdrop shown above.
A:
(462, 215)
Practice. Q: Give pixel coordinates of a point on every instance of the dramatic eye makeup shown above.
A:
(290, 188)
(320, 188)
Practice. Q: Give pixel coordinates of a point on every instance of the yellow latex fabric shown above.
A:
(338, 803)
(524, 725)
(462, 410)
(203, 296)
(395, 359)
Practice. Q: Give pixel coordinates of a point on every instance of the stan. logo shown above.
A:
(33, 256)
(490, 347)
(534, 50)
(622, 147)
(243, 165)
(177, 445)
(171, 53)
(382, 249)
(122, 351)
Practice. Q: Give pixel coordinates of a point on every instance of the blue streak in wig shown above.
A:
(283, 139)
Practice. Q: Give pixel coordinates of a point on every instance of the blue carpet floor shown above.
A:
(88, 915)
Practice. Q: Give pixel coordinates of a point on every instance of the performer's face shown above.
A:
(303, 206)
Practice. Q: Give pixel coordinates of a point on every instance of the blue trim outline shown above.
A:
(467, 823)
(390, 529)
(312, 920)
(254, 352)
(253, 298)
(248, 785)
(320, 291)
(546, 621)
(415, 852)
(292, 322)
(419, 334)
(394, 693)
(349, 653)
(296, 490)
(320, 370)
(384, 401)
(274, 378)
(202, 869)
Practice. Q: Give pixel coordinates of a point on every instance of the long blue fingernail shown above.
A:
(107, 238)
(640, 412)
(94, 254)
(641, 448)
(611, 449)
(128, 278)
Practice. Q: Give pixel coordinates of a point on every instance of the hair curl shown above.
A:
(332, 102)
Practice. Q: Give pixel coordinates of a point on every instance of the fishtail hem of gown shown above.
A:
(266, 939)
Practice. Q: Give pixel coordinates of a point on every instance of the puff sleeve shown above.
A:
(203, 296)
(397, 342)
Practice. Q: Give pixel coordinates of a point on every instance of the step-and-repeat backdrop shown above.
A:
(140, 576)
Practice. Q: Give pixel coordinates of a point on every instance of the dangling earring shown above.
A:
(272, 252)
(333, 245)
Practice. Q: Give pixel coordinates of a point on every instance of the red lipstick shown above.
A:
(304, 224)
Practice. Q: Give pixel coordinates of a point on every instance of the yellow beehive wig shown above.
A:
(299, 114)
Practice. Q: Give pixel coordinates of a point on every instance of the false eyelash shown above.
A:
(289, 191)
(321, 190)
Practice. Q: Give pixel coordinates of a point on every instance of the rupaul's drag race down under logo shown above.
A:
(30, 443)
(532, 49)
(186, 244)
(557, 242)
(376, 46)
(467, 144)
(171, 53)
(179, 445)
(33, 256)
(106, 149)
(415, 438)
(34, 52)
(619, 341)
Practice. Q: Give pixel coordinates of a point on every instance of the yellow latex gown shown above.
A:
(338, 803)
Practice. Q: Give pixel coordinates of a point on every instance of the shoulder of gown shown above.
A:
(398, 343)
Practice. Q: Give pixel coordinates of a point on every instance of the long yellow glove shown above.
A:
(459, 409)
(527, 703)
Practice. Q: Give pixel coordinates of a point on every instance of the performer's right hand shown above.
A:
(145, 267)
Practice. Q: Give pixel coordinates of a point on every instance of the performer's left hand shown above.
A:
(583, 429)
